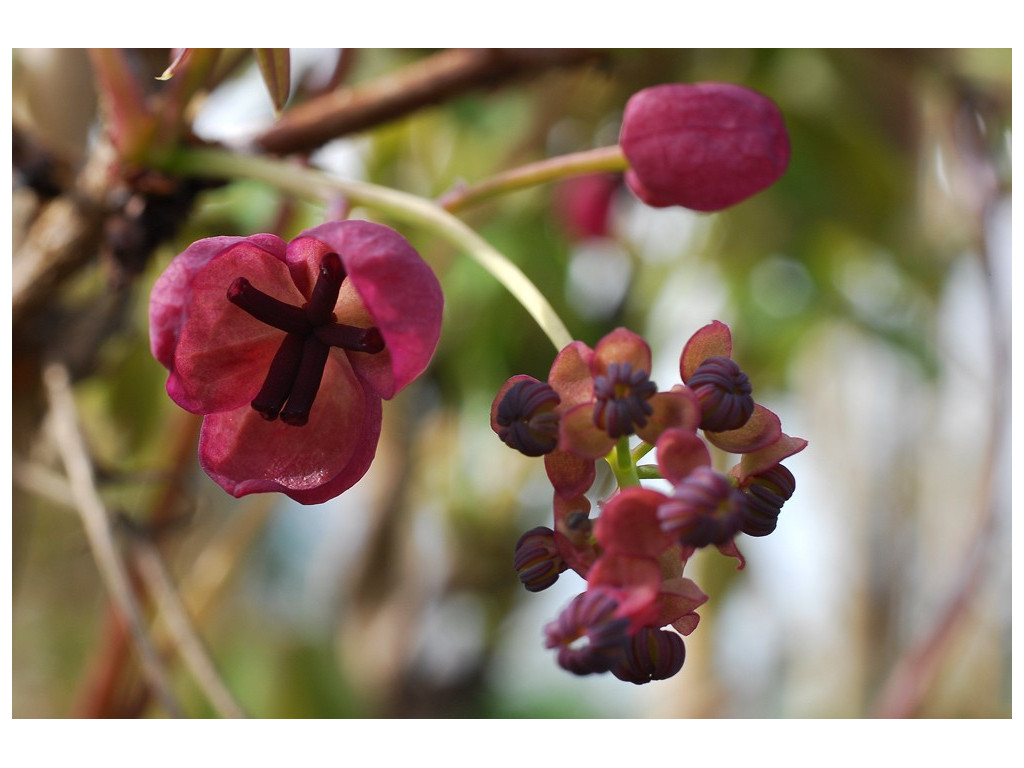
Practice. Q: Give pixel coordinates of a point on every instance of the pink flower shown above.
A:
(288, 349)
(704, 146)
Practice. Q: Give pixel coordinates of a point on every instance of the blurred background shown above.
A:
(868, 293)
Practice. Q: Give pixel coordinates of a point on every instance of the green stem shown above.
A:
(642, 450)
(603, 160)
(621, 461)
(409, 209)
(648, 472)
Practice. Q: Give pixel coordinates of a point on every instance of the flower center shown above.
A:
(310, 331)
(621, 397)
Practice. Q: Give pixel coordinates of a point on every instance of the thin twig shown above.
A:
(428, 81)
(160, 585)
(97, 525)
(64, 237)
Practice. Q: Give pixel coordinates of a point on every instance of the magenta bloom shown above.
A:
(704, 146)
(288, 349)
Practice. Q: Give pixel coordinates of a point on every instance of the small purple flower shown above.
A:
(526, 418)
(537, 559)
(704, 509)
(651, 654)
(724, 392)
(765, 494)
(588, 634)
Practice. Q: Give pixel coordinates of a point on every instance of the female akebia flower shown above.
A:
(288, 349)
(703, 146)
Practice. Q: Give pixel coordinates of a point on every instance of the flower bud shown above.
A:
(703, 146)
(724, 393)
(526, 418)
(765, 495)
(537, 559)
(651, 654)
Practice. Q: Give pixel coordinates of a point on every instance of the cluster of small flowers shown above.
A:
(633, 554)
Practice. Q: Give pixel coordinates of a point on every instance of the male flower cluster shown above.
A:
(637, 604)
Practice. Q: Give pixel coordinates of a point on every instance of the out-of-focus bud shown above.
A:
(704, 509)
(651, 654)
(537, 559)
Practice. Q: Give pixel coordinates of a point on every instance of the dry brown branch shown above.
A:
(186, 639)
(98, 530)
(65, 236)
(429, 81)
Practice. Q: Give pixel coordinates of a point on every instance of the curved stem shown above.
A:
(603, 160)
(410, 209)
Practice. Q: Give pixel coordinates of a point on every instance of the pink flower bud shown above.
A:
(704, 146)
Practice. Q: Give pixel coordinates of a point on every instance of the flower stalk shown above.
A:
(402, 206)
(622, 464)
(602, 160)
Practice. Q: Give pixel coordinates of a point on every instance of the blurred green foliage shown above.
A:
(852, 235)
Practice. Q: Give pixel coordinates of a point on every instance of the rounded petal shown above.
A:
(217, 354)
(762, 460)
(679, 598)
(171, 291)
(621, 346)
(677, 409)
(579, 435)
(246, 454)
(400, 294)
(570, 375)
(703, 146)
(761, 430)
(632, 581)
(570, 475)
(679, 453)
(713, 340)
(628, 524)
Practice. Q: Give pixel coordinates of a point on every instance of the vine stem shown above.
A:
(402, 206)
(603, 160)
